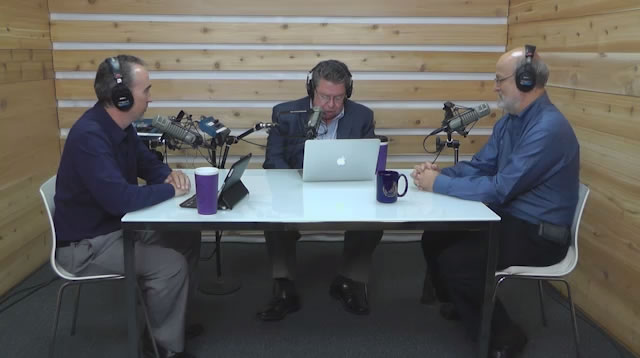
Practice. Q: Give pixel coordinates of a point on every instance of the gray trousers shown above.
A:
(164, 264)
(356, 257)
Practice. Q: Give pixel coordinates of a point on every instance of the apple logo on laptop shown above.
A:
(341, 161)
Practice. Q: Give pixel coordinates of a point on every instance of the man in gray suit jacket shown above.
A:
(329, 85)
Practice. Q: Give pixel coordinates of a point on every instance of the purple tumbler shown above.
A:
(382, 154)
(207, 190)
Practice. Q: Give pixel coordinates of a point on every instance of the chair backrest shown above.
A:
(583, 194)
(47, 191)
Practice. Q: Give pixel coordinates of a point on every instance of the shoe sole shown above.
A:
(287, 312)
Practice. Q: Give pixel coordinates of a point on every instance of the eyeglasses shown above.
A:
(500, 80)
(325, 99)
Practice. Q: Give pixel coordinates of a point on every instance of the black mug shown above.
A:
(387, 186)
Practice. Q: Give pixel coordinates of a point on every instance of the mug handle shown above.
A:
(406, 185)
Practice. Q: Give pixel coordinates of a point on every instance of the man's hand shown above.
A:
(180, 182)
(422, 167)
(424, 179)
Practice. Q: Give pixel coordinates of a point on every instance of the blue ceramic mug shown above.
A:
(387, 186)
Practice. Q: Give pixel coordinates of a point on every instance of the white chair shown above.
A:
(555, 272)
(47, 191)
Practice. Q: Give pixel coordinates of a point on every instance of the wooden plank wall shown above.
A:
(593, 49)
(29, 137)
(234, 61)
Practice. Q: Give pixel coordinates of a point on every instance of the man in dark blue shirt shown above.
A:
(97, 184)
(528, 173)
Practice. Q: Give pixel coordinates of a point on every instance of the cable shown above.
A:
(256, 144)
(33, 289)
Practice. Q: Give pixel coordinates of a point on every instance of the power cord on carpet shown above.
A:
(30, 290)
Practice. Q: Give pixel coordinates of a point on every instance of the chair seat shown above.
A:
(562, 268)
(71, 277)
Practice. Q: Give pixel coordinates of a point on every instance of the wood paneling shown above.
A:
(616, 32)
(605, 113)
(281, 90)
(540, 10)
(25, 65)
(244, 118)
(24, 261)
(617, 73)
(288, 7)
(284, 33)
(24, 24)
(284, 60)
(29, 153)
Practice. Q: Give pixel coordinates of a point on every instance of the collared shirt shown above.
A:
(97, 178)
(529, 168)
(330, 131)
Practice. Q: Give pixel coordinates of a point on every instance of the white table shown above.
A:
(279, 200)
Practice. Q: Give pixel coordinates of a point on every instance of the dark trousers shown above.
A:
(457, 262)
(356, 257)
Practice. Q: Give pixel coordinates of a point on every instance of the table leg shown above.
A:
(130, 292)
(489, 287)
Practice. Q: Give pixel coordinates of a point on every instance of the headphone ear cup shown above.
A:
(526, 78)
(121, 97)
(349, 88)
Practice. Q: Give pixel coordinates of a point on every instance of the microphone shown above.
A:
(297, 111)
(314, 122)
(462, 120)
(214, 128)
(166, 126)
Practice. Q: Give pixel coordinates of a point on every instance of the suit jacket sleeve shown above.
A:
(276, 144)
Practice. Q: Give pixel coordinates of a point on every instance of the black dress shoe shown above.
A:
(352, 294)
(508, 345)
(284, 301)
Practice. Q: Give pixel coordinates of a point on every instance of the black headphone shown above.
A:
(525, 73)
(121, 96)
(311, 86)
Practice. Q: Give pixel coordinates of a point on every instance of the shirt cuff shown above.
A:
(441, 184)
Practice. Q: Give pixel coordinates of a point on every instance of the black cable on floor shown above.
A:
(30, 290)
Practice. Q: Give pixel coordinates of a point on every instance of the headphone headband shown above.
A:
(310, 83)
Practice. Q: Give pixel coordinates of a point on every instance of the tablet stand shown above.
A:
(229, 198)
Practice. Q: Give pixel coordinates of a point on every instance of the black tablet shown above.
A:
(234, 174)
(232, 189)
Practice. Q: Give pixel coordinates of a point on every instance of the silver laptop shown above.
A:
(340, 159)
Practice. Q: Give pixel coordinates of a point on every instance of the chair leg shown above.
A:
(573, 319)
(147, 322)
(75, 311)
(541, 296)
(56, 317)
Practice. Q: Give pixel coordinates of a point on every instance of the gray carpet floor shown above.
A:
(398, 326)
